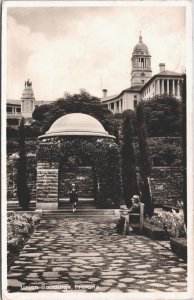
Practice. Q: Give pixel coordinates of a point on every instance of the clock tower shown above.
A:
(141, 64)
(27, 102)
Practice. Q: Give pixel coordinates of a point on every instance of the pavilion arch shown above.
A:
(93, 146)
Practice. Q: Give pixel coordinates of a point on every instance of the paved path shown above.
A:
(87, 255)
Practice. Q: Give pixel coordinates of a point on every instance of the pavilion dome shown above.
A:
(76, 124)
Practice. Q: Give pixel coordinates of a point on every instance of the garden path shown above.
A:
(87, 255)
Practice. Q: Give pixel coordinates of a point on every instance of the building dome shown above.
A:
(76, 124)
(140, 48)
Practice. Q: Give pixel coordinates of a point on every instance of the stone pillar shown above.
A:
(162, 86)
(158, 87)
(115, 107)
(47, 186)
(173, 88)
(168, 86)
(120, 106)
(178, 89)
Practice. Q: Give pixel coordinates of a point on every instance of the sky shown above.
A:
(65, 49)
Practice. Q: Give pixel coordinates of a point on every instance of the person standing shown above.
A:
(73, 196)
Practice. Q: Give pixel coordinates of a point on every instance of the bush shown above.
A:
(171, 222)
(163, 116)
(19, 228)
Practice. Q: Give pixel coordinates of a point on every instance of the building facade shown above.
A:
(143, 85)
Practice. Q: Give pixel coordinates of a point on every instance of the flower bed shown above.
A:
(20, 226)
(171, 222)
(154, 232)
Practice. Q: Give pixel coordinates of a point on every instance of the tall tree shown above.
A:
(129, 177)
(144, 159)
(22, 187)
(82, 102)
(184, 145)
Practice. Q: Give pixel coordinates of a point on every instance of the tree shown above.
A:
(163, 116)
(144, 159)
(77, 103)
(184, 145)
(129, 177)
(22, 187)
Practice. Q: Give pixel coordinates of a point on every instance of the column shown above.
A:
(120, 109)
(168, 86)
(115, 107)
(46, 186)
(162, 86)
(173, 88)
(158, 87)
(178, 89)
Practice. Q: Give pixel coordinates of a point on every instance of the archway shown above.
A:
(93, 146)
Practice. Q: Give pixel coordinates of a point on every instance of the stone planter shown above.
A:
(154, 232)
(179, 247)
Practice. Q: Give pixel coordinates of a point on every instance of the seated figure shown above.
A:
(134, 211)
(135, 208)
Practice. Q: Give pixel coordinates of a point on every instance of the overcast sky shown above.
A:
(66, 49)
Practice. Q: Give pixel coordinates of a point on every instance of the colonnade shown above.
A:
(117, 106)
(168, 86)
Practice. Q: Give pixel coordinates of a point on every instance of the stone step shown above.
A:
(80, 212)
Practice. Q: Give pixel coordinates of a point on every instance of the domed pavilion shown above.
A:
(77, 149)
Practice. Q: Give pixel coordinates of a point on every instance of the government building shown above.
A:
(143, 86)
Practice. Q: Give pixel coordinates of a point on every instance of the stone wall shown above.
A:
(47, 186)
(166, 178)
(167, 185)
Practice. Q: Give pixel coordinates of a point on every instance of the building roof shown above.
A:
(13, 102)
(165, 73)
(134, 88)
(37, 102)
(140, 48)
(169, 73)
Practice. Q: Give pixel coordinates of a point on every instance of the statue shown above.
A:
(28, 83)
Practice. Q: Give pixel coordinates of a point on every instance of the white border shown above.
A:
(190, 143)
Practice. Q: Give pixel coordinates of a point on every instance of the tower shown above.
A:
(27, 101)
(141, 64)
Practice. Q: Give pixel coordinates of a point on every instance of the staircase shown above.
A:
(85, 208)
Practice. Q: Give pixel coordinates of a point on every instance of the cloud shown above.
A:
(88, 45)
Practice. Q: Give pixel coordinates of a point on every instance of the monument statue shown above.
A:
(28, 83)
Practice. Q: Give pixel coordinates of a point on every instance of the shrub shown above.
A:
(19, 228)
(171, 222)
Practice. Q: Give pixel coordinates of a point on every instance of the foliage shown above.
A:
(130, 113)
(19, 229)
(12, 132)
(144, 159)
(22, 187)
(101, 153)
(184, 143)
(163, 116)
(13, 121)
(166, 152)
(171, 222)
(82, 103)
(129, 177)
